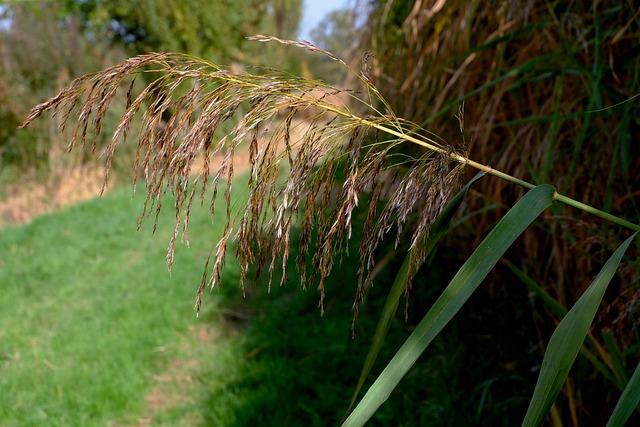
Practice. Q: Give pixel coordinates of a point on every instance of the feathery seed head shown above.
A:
(292, 125)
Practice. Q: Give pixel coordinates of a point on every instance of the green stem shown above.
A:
(571, 202)
(432, 145)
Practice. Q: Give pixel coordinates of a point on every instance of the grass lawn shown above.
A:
(94, 331)
(89, 314)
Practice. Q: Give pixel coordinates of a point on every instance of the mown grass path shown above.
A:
(89, 313)
(95, 331)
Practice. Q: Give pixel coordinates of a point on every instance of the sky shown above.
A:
(314, 11)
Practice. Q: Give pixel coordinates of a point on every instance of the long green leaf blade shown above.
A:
(628, 401)
(465, 282)
(567, 339)
(436, 231)
(561, 311)
(617, 359)
(557, 308)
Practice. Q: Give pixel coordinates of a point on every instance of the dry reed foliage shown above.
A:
(197, 98)
(30, 197)
(538, 80)
(551, 96)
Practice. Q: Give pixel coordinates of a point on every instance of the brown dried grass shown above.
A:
(550, 92)
(536, 79)
(31, 197)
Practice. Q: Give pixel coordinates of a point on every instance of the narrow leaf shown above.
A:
(567, 339)
(617, 360)
(628, 401)
(557, 308)
(465, 282)
(436, 231)
(561, 311)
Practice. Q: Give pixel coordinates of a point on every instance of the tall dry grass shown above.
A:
(550, 95)
(550, 90)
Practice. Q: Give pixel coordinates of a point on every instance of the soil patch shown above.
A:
(29, 197)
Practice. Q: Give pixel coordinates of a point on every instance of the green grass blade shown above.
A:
(388, 312)
(557, 308)
(556, 124)
(436, 231)
(567, 339)
(628, 401)
(617, 360)
(465, 282)
(561, 311)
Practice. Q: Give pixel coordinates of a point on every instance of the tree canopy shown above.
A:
(209, 29)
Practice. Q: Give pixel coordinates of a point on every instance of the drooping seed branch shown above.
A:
(292, 125)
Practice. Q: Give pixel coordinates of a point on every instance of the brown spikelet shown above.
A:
(304, 128)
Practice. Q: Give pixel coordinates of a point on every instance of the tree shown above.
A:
(39, 52)
(286, 17)
(215, 30)
(336, 33)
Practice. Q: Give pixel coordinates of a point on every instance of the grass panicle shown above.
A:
(303, 127)
(193, 111)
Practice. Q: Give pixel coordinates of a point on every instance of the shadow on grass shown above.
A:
(286, 365)
(298, 368)
(91, 322)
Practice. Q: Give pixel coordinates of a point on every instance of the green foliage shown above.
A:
(628, 402)
(286, 16)
(39, 54)
(215, 30)
(193, 26)
(567, 340)
(452, 299)
(46, 44)
(439, 227)
(336, 33)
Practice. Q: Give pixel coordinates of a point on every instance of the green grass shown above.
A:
(87, 308)
(92, 325)
(95, 331)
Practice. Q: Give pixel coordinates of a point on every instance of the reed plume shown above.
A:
(292, 125)
(305, 128)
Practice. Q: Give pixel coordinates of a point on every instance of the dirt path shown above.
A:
(30, 197)
(177, 387)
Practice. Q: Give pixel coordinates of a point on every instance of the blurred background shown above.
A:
(95, 331)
